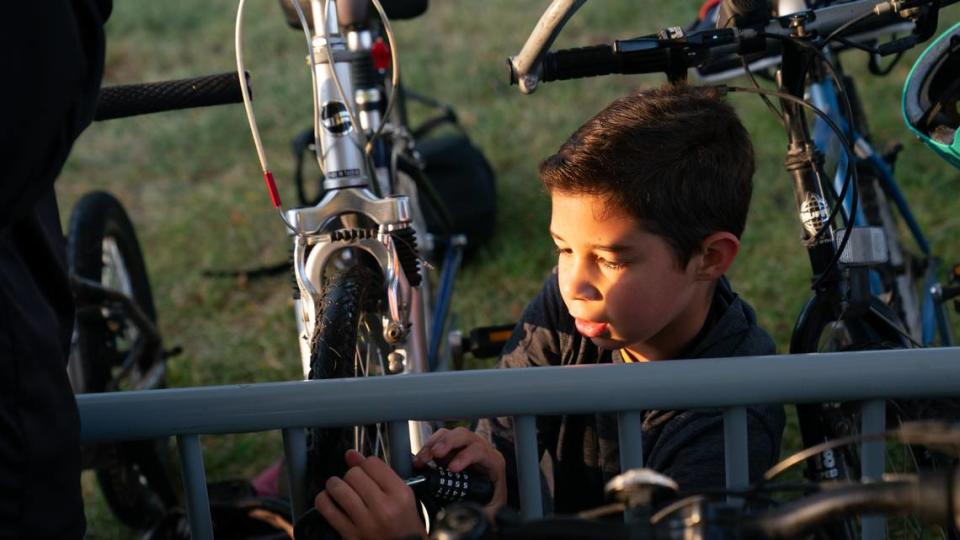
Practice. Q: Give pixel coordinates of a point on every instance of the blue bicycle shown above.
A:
(872, 287)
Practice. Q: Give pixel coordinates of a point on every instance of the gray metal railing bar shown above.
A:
(624, 389)
(873, 456)
(295, 452)
(400, 458)
(528, 466)
(630, 433)
(195, 486)
(703, 383)
(735, 457)
(874, 420)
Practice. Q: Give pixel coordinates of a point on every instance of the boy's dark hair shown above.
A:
(676, 158)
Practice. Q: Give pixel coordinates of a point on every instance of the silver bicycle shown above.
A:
(363, 301)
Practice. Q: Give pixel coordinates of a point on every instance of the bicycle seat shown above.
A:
(356, 12)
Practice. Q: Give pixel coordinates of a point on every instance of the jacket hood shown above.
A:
(733, 330)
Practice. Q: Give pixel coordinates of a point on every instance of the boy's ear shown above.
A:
(717, 252)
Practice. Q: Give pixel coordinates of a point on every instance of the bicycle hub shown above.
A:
(394, 333)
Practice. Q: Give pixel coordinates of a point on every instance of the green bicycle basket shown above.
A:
(930, 96)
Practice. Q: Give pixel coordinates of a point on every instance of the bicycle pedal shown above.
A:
(951, 292)
(955, 274)
(488, 341)
(942, 294)
(176, 350)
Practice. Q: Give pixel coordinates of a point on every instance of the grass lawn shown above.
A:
(191, 182)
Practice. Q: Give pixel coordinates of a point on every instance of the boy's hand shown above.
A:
(370, 502)
(461, 448)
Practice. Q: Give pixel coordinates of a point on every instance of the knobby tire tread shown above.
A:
(347, 296)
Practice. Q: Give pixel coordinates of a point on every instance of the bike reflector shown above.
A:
(381, 55)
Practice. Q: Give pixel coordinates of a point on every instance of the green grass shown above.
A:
(191, 183)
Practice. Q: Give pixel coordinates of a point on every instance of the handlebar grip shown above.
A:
(640, 55)
(144, 98)
(581, 62)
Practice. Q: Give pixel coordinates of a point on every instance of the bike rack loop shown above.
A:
(728, 383)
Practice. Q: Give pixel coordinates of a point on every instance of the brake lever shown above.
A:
(525, 66)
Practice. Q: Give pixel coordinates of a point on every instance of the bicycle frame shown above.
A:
(931, 321)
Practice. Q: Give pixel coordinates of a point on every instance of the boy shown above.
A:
(649, 199)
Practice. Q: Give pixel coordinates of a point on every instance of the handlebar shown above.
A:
(144, 98)
(524, 67)
(649, 54)
(673, 50)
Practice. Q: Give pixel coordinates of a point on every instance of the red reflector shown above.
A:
(272, 187)
(381, 55)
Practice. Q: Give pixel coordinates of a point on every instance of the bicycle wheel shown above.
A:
(348, 342)
(107, 355)
(825, 421)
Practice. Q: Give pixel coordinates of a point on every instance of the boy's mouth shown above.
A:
(591, 329)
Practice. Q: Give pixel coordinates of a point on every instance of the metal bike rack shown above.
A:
(729, 383)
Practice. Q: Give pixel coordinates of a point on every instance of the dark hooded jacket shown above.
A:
(579, 453)
(52, 63)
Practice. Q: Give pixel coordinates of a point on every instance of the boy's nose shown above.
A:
(579, 283)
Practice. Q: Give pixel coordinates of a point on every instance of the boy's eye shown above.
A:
(610, 264)
(562, 251)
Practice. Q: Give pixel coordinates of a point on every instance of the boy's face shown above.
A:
(624, 286)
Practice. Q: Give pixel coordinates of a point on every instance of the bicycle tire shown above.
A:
(346, 339)
(135, 477)
(903, 277)
(825, 421)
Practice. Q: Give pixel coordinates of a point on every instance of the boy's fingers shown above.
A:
(437, 435)
(365, 487)
(474, 454)
(452, 446)
(353, 458)
(385, 478)
(425, 455)
(347, 499)
(460, 437)
(334, 516)
(443, 442)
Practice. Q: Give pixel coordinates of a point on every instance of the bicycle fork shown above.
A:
(392, 243)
